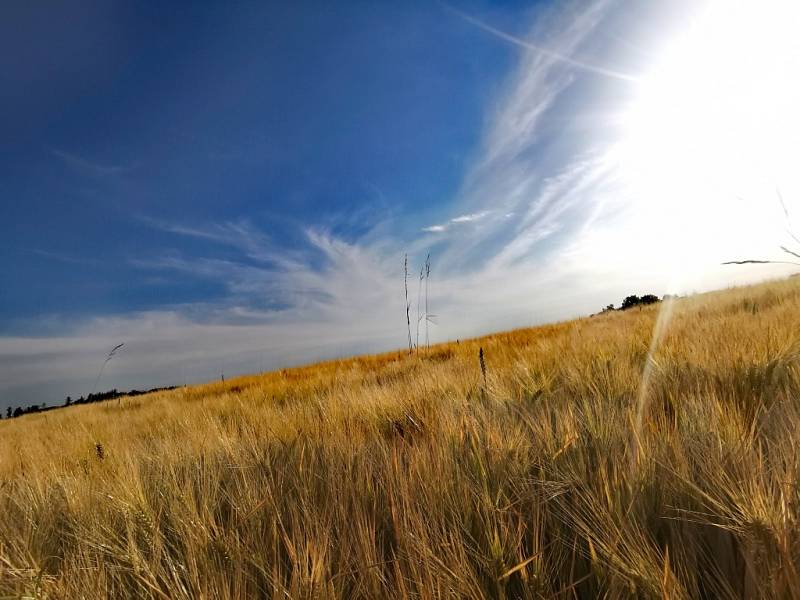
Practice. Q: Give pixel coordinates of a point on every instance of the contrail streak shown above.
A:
(540, 49)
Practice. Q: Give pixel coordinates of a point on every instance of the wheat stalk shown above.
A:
(408, 306)
(110, 355)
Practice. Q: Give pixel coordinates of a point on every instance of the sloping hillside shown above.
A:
(577, 463)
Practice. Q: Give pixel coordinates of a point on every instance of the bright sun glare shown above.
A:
(714, 133)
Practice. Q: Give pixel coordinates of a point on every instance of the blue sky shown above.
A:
(232, 186)
(281, 116)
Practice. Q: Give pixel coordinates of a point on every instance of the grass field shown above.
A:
(581, 465)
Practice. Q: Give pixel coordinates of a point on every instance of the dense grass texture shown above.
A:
(563, 473)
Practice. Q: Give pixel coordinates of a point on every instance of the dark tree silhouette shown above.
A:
(629, 302)
(634, 300)
(95, 397)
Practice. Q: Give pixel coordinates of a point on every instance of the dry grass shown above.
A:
(408, 476)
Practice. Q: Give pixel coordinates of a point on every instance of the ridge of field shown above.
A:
(577, 459)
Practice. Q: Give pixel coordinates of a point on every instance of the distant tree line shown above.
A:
(98, 397)
(634, 300)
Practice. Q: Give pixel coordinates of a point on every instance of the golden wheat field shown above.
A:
(580, 465)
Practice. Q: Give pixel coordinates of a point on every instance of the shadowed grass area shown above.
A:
(411, 477)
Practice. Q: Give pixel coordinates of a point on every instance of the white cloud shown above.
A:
(470, 217)
(461, 219)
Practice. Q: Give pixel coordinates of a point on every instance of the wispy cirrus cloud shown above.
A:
(65, 258)
(459, 220)
(89, 167)
(240, 235)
